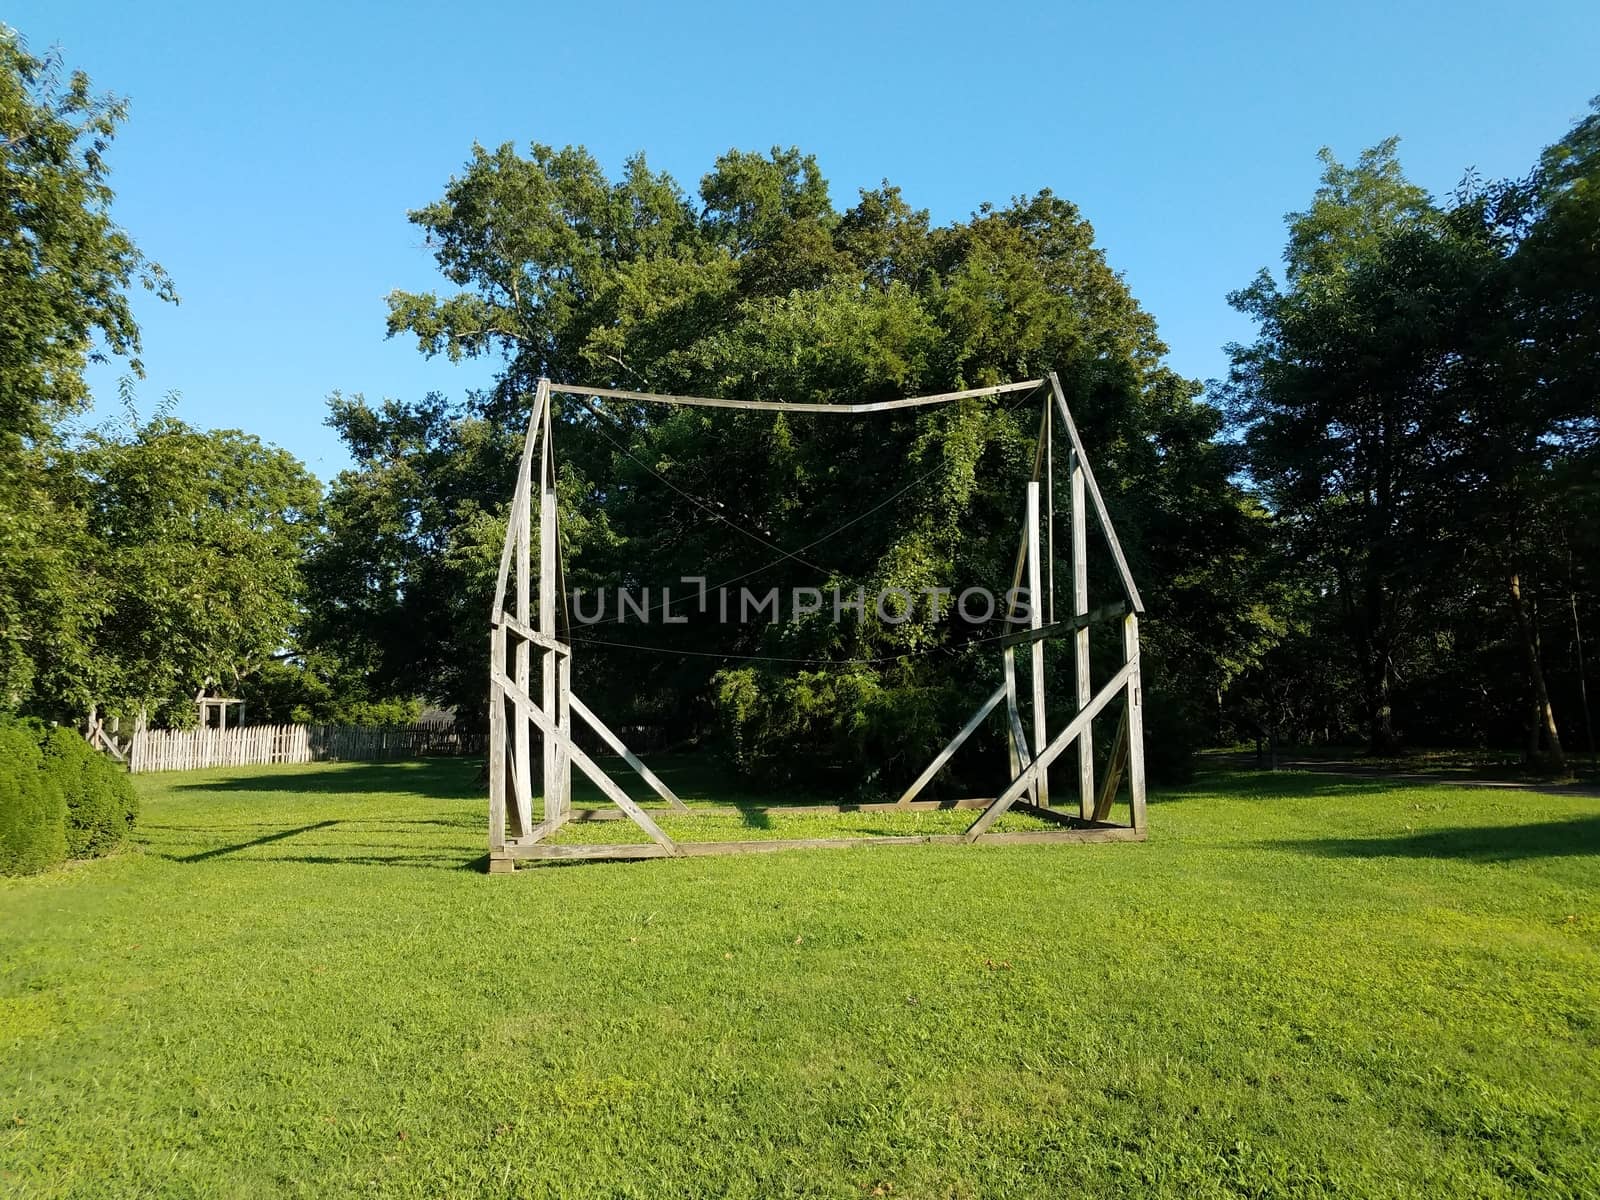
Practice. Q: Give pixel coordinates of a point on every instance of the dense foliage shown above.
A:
(198, 537)
(59, 798)
(33, 805)
(65, 268)
(1419, 414)
(319, 688)
(137, 563)
(1380, 526)
(101, 802)
(762, 287)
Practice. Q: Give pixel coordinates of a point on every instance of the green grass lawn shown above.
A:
(298, 981)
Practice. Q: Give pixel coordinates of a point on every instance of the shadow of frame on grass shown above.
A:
(1478, 843)
(343, 853)
(432, 778)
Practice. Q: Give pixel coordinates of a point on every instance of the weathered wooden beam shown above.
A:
(1114, 768)
(529, 634)
(497, 745)
(1050, 513)
(796, 406)
(545, 852)
(524, 470)
(1136, 782)
(628, 756)
(1019, 742)
(521, 652)
(521, 789)
(1008, 674)
(1017, 755)
(1080, 641)
(1035, 837)
(1107, 612)
(1020, 563)
(950, 748)
(547, 622)
(1073, 730)
(564, 723)
(1041, 791)
(554, 735)
(1101, 514)
(581, 815)
(1019, 739)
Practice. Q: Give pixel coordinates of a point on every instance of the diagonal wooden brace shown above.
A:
(954, 744)
(628, 756)
(1060, 742)
(554, 734)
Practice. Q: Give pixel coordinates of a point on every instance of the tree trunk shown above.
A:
(1377, 679)
(1376, 647)
(1544, 717)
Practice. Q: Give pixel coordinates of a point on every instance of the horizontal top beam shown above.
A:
(797, 406)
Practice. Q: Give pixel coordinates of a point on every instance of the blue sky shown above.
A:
(273, 150)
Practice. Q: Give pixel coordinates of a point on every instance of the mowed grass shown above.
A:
(300, 982)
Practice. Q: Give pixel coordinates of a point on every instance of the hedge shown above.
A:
(59, 798)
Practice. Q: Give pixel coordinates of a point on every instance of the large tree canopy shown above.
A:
(762, 287)
(199, 541)
(1419, 414)
(134, 566)
(65, 265)
(65, 271)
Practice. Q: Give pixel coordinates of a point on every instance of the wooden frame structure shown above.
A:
(524, 627)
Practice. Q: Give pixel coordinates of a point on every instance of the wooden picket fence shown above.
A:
(250, 745)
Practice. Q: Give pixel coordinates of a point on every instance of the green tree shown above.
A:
(200, 537)
(1331, 419)
(763, 288)
(65, 272)
(398, 588)
(1412, 405)
(319, 688)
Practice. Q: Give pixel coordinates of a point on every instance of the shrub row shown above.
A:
(59, 798)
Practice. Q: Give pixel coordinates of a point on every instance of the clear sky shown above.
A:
(274, 149)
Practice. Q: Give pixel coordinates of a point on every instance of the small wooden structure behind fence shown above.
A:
(187, 749)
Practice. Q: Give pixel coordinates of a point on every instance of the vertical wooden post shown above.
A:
(514, 554)
(1010, 686)
(1116, 764)
(497, 741)
(522, 528)
(1130, 653)
(553, 800)
(564, 723)
(1050, 510)
(1041, 795)
(1080, 644)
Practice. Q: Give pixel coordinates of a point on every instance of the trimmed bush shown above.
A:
(59, 798)
(101, 802)
(33, 807)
